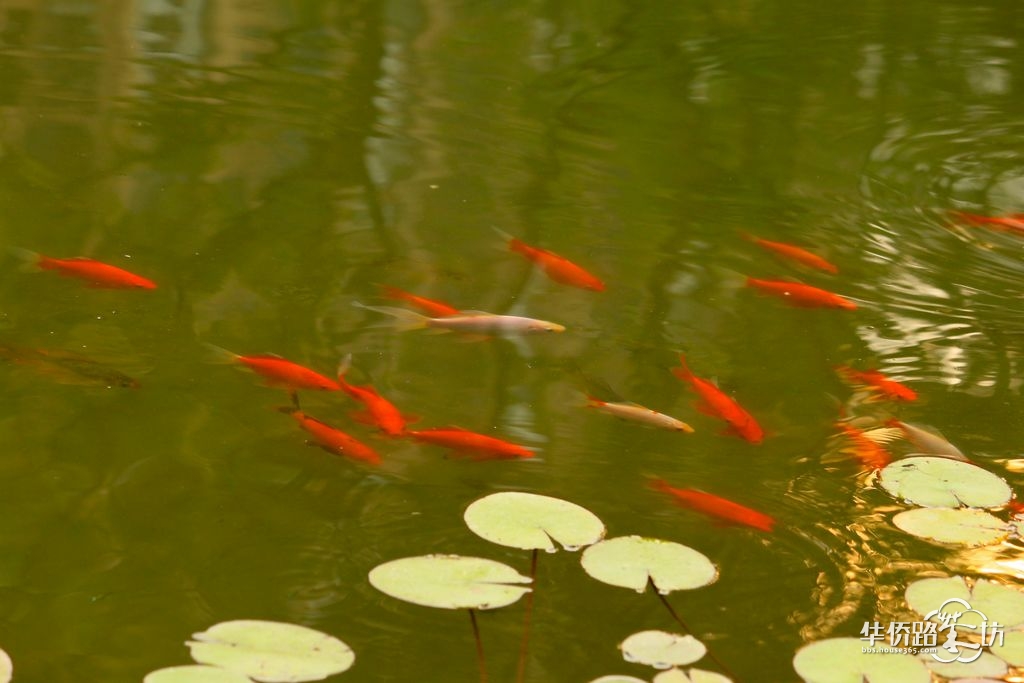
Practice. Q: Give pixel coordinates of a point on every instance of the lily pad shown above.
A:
(691, 676)
(661, 649)
(941, 482)
(998, 603)
(842, 660)
(271, 651)
(632, 561)
(450, 581)
(616, 678)
(6, 667)
(986, 665)
(963, 526)
(1012, 649)
(530, 521)
(195, 673)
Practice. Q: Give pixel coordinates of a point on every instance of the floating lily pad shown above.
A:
(998, 603)
(616, 678)
(702, 676)
(195, 673)
(450, 581)
(271, 651)
(662, 650)
(941, 482)
(1012, 649)
(629, 561)
(963, 526)
(6, 667)
(530, 521)
(987, 665)
(841, 660)
(691, 676)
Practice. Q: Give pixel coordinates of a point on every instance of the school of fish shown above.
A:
(864, 438)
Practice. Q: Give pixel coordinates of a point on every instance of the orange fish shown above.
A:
(558, 268)
(715, 403)
(483, 447)
(379, 410)
(334, 440)
(715, 506)
(278, 372)
(794, 253)
(797, 294)
(874, 379)
(869, 452)
(96, 273)
(1013, 222)
(432, 307)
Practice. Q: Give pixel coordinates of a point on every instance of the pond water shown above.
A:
(269, 164)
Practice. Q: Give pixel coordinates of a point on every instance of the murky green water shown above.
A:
(270, 163)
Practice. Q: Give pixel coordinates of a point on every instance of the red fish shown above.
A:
(438, 309)
(869, 452)
(794, 253)
(558, 268)
(96, 273)
(797, 294)
(379, 410)
(1013, 222)
(278, 372)
(715, 506)
(874, 379)
(483, 447)
(715, 403)
(334, 440)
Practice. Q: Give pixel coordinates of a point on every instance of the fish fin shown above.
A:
(29, 259)
(706, 409)
(405, 319)
(473, 312)
(363, 417)
(593, 402)
(215, 354)
(883, 435)
(507, 239)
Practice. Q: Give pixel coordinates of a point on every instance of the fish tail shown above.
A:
(215, 354)
(659, 484)
(507, 240)
(30, 260)
(593, 401)
(406, 319)
(290, 410)
(683, 371)
(344, 365)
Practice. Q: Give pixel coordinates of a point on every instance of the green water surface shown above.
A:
(270, 162)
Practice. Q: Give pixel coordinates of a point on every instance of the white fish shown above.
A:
(474, 322)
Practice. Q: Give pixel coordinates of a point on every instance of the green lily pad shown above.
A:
(963, 526)
(661, 649)
(450, 581)
(987, 665)
(630, 561)
(195, 673)
(530, 521)
(1012, 649)
(271, 651)
(997, 602)
(692, 676)
(841, 660)
(6, 667)
(702, 676)
(941, 482)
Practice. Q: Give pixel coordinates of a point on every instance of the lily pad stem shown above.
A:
(479, 646)
(521, 667)
(687, 630)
